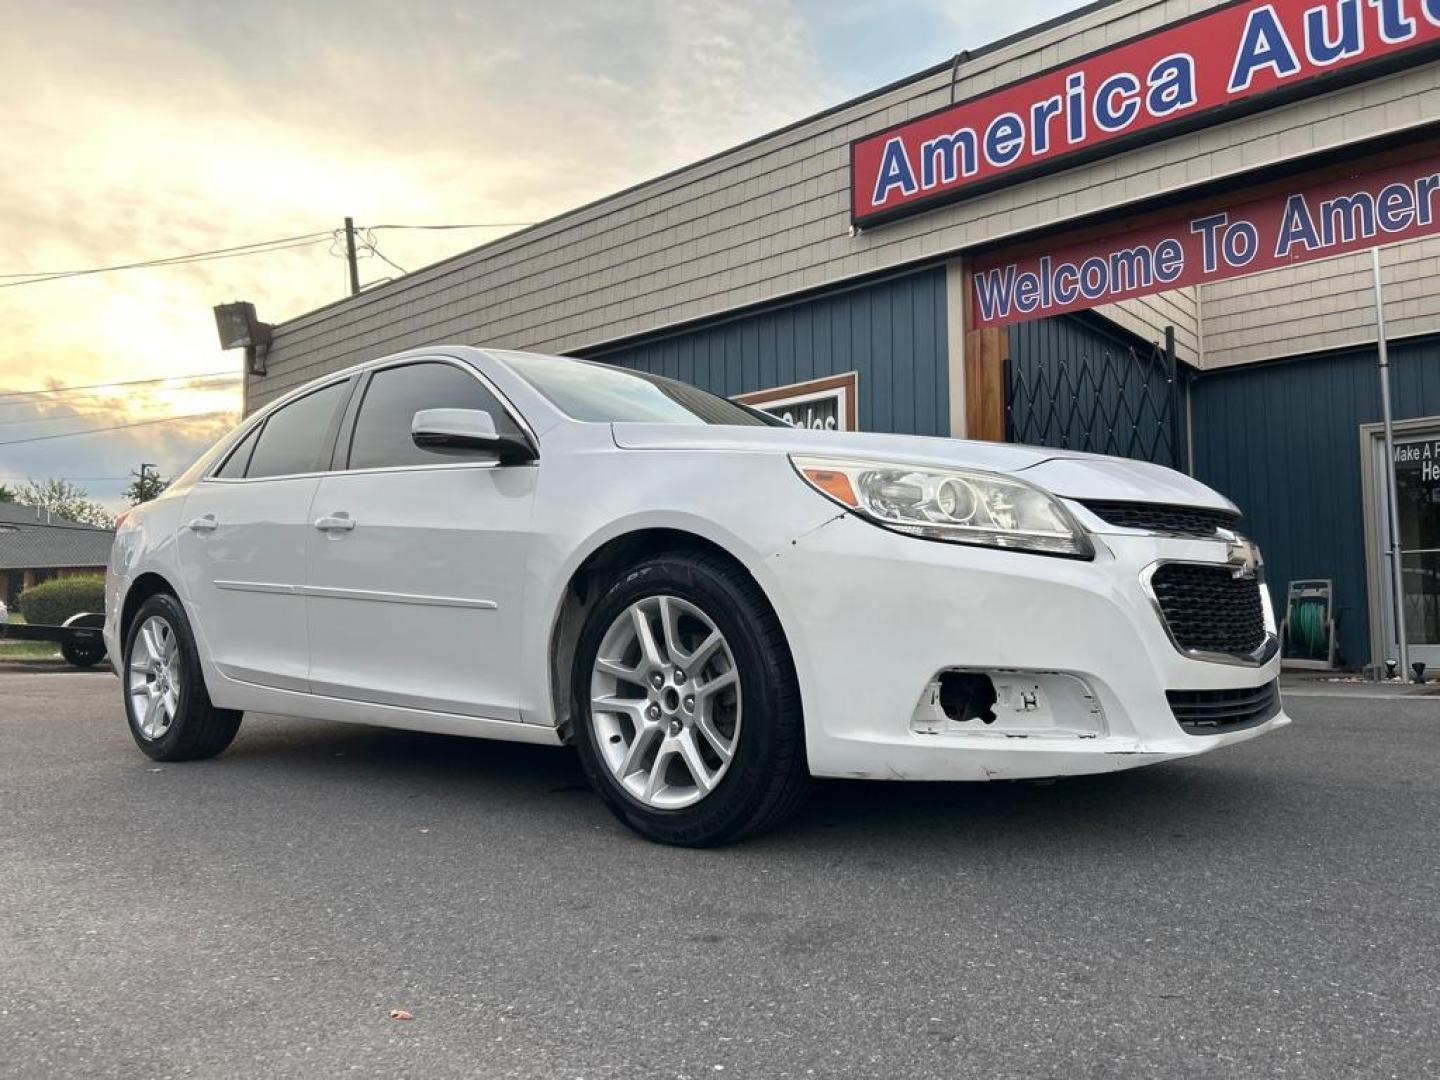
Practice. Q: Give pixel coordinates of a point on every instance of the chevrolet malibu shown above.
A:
(709, 605)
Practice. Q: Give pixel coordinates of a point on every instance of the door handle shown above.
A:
(335, 523)
(203, 524)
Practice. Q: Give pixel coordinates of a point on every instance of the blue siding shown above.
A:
(1283, 441)
(892, 332)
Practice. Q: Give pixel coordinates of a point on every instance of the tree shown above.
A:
(64, 499)
(147, 485)
(6, 495)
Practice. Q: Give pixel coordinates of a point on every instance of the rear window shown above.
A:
(609, 395)
(296, 438)
(239, 459)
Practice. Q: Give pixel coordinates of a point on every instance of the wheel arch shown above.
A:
(584, 587)
(141, 589)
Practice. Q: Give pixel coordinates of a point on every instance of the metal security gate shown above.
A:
(1074, 383)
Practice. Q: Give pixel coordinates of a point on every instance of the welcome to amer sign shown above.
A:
(1235, 59)
(1401, 202)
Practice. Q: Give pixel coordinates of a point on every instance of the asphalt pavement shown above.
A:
(1269, 910)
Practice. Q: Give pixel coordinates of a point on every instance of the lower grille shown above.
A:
(1208, 609)
(1213, 712)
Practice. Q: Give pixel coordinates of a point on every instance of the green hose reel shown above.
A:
(1307, 633)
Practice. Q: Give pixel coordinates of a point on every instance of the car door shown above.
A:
(417, 556)
(242, 541)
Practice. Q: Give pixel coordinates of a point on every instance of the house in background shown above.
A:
(36, 546)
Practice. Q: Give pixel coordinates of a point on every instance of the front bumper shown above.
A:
(873, 616)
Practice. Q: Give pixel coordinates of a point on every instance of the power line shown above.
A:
(169, 258)
(51, 419)
(369, 242)
(264, 247)
(43, 419)
(117, 427)
(87, 406)
(72, 479)
(478, 225)
(122, 382)
(260, 247)
(91, 400)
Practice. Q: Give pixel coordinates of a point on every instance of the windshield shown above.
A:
(609, 395)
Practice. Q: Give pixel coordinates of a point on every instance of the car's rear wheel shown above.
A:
(688, 714)
(166, 703)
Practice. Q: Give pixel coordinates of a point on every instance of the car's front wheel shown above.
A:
(688, 716)
(166, 702)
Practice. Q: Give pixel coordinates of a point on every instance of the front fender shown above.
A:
(764, 505)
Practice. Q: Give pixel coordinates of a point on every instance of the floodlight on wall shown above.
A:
(239, 328)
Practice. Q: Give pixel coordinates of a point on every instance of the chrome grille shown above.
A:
(1160, 517)
(1208, 609)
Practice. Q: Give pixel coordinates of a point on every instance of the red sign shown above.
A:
(1397, 203)
(1237, 58)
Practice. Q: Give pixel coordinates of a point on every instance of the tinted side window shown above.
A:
(240, 457)
(293, 439)
(395, 395)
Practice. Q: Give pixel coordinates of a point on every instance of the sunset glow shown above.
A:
(188, 127)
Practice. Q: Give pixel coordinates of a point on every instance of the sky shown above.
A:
(146, 130)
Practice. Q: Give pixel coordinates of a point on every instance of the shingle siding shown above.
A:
(771, 219)
(1321, 305)
(1148, 316)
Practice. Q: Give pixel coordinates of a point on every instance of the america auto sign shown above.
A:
(1399, 202)
(1230, 60)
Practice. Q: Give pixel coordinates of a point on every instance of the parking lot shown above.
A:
(1270, 910)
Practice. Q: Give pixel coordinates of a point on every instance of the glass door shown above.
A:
(1417, 488)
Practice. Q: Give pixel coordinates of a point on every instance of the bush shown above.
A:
(52, 602)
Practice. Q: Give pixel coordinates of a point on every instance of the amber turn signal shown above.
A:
(835, 484)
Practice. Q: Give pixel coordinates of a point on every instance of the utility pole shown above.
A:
(350, 256)
(147, 484)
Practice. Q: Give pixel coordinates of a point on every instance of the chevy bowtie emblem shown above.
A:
(1243, 557)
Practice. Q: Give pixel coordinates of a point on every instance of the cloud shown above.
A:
(176, 127)
(165, 126)
(102, 463)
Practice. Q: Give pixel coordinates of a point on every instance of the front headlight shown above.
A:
(958, 505)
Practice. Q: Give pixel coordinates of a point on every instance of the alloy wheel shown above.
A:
(665, 702)
(153, 677)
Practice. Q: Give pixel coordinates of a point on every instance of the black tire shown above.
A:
(198, 729)
(767, 778)
(82, 656)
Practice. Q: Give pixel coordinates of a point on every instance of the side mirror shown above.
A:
(468, 429)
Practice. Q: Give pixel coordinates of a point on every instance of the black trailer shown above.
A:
(79, 637)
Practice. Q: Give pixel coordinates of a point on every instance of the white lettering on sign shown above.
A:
(1224, 62)
(1424, 457)
(826, 404)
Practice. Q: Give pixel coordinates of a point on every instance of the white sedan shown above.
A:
(711, 606)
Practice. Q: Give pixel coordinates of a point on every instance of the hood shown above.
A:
(1069, 473)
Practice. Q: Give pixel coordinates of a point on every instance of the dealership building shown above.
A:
(1143, 229)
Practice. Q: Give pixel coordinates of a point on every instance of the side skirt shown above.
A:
(248, 697)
